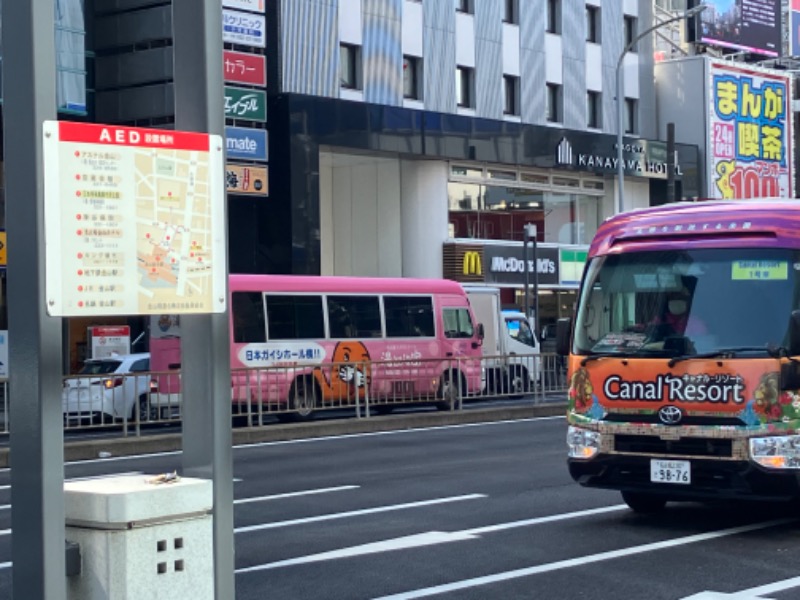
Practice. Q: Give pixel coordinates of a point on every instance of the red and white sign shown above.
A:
(241, 67)
(108, 340)
(134, 220)
(91, 133)
(251, 5)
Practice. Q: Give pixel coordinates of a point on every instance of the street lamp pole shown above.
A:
(529, 232)
(621, 97)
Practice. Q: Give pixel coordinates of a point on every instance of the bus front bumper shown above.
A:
(710, 479)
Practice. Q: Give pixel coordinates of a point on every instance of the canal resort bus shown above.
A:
(303, 343)
(684, 355)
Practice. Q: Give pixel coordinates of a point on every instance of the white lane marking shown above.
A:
(425, 539)
(357, 513)
(294, 494)
(404, 543)
(580, 561)
(752, 593)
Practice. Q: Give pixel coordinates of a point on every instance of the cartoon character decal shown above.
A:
(725, 169)
(580, 391)
(350, 372)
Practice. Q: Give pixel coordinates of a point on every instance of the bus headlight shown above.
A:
(582, 443)
(776, 452)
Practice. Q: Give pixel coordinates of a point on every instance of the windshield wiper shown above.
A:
(598, 356)
(723, 353)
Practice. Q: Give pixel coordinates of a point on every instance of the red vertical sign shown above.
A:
(241, 67)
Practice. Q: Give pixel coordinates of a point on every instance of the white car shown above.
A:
(109, 388)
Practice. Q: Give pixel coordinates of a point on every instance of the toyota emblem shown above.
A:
(670, 415)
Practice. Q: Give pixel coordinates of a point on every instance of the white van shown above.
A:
(510, 347)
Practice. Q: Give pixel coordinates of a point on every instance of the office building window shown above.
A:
(553, 103)
(348, 66)
(593, 24)
(464, 6)
(553, 16)
(411, 77)
(465, 77)
(510, 95)
(510, 11)
(630, 115)
(630, 31)
(593, 110)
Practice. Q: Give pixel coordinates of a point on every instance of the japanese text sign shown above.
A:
(244, 28)
(750, 133)
(240, 67)
(134, 221)
(246, 104)
(252, 5)
(246, 179)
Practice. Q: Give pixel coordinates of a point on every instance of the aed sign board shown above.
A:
(134, 221)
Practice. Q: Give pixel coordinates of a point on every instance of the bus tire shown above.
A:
(451, 387)
(517, 383)
(303, 398)
(644, 503)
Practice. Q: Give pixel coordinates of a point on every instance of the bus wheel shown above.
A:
(303, 398)
(642, 502)
(450, 389)
(517, 382)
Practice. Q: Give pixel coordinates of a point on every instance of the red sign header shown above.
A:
(91, 133)
(241, 67)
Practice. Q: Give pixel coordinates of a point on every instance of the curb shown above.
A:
(172, 442)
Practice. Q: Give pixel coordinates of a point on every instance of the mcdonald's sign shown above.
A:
(463, 262)
(472, 263)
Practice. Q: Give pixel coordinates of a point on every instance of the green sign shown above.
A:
(247, 104)
(749, 270)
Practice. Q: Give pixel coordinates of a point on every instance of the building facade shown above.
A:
(397, 137)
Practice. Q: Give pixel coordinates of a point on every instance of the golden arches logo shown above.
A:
(472, 263)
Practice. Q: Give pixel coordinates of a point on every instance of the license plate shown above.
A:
(671, 471)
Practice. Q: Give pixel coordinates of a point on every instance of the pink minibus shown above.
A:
(302, 343)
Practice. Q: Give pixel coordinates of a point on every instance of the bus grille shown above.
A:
(650, 444)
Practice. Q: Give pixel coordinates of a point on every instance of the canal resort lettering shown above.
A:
(719, 389)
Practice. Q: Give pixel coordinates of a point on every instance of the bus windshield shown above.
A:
(687, 302)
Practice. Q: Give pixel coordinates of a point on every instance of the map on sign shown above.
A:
(134, 221)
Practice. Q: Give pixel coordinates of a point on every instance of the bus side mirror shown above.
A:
(563, 335)
(479, 330)
(794, 333)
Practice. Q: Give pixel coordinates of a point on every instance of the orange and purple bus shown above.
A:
(684, 355)
(302, 343)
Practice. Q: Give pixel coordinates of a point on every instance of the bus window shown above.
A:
(295, 317)
(354, 317)
(248, 318)
(408, 316)
(457, 323)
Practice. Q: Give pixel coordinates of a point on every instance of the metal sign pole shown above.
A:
(206, 378)
(37, 434)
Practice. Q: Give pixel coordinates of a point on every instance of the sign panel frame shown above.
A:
(246, 104)
(749, 139)
(244, 67)
(245, 143)
(243, 28)
(250, 180)
(249, 5)
(134, 221)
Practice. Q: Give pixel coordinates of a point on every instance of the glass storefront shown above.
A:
(492, 204)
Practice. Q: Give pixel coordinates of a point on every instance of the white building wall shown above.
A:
(424, 217)
(360, 215)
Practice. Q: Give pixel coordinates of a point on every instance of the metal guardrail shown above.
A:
(130, 402)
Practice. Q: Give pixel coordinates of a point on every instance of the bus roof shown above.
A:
(339, 284)
(711, 224)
